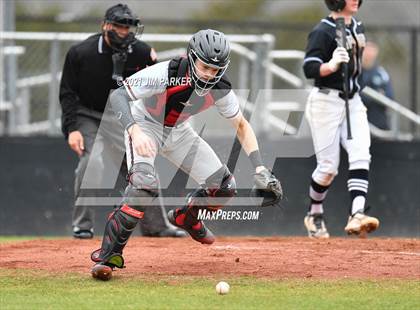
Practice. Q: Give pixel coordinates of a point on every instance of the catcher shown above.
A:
(156, 123)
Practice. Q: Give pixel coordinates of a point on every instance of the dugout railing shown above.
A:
(397, 110)
(256, 68)
(17, 108)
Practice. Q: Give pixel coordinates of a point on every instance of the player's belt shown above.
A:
(328, 91)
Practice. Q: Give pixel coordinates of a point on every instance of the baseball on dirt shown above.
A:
(222, 288)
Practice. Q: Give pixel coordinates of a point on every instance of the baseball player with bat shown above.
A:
(156, 123)
(337, 116)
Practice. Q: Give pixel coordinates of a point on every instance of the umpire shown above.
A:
(91, 70)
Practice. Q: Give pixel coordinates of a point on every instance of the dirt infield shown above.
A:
(268, 257)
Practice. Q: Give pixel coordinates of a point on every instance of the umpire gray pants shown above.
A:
(104, 144)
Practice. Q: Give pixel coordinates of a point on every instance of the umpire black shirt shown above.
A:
(87, 76)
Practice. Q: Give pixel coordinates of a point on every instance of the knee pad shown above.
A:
(142, 176)
(221, 184)
(142, 188)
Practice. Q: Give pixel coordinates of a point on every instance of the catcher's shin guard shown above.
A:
(220, 185)
(195, 201)
(140, 193)
(219, 188)
(118, 229)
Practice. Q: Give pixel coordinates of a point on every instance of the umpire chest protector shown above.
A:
(179, 102)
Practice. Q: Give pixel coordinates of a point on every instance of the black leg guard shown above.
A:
(139, 193)
(195, 202)
(118, 229)
(221, 185)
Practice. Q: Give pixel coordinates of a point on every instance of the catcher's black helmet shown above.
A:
(338, 5)
(212, 48)
(121, 15)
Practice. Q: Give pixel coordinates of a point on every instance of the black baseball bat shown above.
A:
(342, 42)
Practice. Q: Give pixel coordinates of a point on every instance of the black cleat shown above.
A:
(170, 232)
(83, 234)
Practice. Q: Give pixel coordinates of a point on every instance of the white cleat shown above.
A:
(361, 224)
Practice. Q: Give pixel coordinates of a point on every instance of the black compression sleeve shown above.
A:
(120, 104)
(256, 159)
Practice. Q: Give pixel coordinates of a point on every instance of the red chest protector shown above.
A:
(179, 102)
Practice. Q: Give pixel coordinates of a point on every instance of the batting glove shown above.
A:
(340, 55)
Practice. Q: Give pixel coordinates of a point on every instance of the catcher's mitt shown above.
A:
(268, 187)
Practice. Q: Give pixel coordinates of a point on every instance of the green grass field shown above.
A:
(38, 290)
(32, 289)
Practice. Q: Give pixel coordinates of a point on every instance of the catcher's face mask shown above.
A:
(204, 75)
